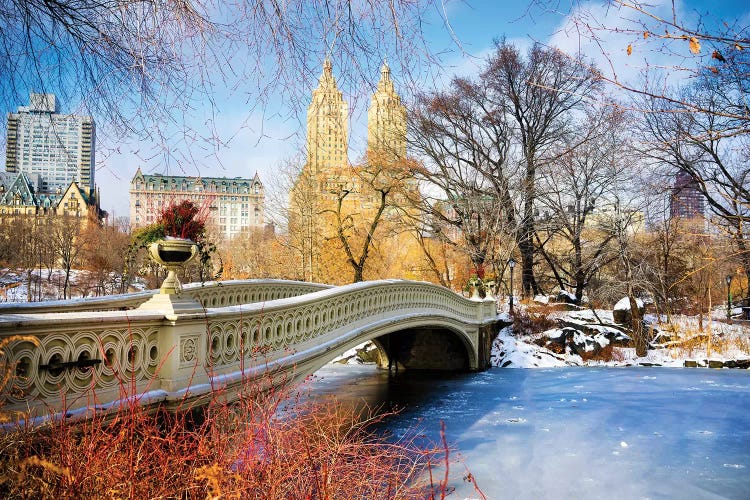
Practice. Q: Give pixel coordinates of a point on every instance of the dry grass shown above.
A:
(606, 354)
(526, 322)
(688, 340)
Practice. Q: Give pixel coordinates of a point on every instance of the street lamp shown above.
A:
(511, 265)
(729, 296)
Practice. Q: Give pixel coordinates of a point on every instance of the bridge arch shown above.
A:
(418, 343)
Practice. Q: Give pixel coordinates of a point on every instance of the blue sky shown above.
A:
(259, 142)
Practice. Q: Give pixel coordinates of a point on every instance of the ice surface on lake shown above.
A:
(615, 433)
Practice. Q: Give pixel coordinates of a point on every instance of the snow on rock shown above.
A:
(624, 304)
(612, 333)
(566, 297)
(589, 344)
(509, 352)
(621, 311)
(541, 299)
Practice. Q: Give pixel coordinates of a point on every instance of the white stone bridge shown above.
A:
(79, 355)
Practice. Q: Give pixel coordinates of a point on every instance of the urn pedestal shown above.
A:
(173, 254)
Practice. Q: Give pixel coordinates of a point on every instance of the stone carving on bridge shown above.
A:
(188, 349)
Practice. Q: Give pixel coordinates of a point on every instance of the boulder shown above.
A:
(587, 345)
(621, 312)
(573, 340)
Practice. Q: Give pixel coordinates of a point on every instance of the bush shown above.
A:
(531, 323)
(253, 448)
(263, 445)
(606, 354)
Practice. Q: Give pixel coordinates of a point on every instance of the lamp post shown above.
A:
(511, 265)
(729, 296)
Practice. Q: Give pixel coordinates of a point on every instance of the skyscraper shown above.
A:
(686, 201)
(58, 147)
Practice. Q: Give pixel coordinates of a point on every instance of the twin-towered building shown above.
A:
(330, 188)
(328, 124)
(232, 205)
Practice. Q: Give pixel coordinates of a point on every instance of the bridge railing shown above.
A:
(209, 294)
(76, 360)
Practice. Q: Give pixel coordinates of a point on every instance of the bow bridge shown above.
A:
(164, 349)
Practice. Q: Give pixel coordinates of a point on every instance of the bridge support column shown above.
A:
(183, 344)
(487, 334)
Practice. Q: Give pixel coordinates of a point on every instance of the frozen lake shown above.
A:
(615, 433)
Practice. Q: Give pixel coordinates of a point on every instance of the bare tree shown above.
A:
(574, 193)
(669, 41)
(630, 274)
(539, 93)
(67, 236)
(711, 148)
(363, 200)
(104, 257)
(468, 193)
(302, 220)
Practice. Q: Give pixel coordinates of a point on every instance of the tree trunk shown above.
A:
(528, 283)
(639, 338)
(358, 274)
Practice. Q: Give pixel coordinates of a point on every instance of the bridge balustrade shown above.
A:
(83, 360)
(209, 294)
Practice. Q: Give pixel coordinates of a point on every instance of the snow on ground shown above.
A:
(509, 352)
(14, 285)
(728, 342)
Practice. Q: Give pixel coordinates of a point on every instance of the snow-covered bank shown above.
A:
(591, 338)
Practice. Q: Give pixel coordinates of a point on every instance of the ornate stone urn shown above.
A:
(172, 253)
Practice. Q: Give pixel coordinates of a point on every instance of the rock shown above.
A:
(691, 363)
(621, 311)
(614, 333)
(737, 363)
(368, 354)
(586, 345)
(573, 340)
(714, 363)
(566, 297)
(556, 340)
